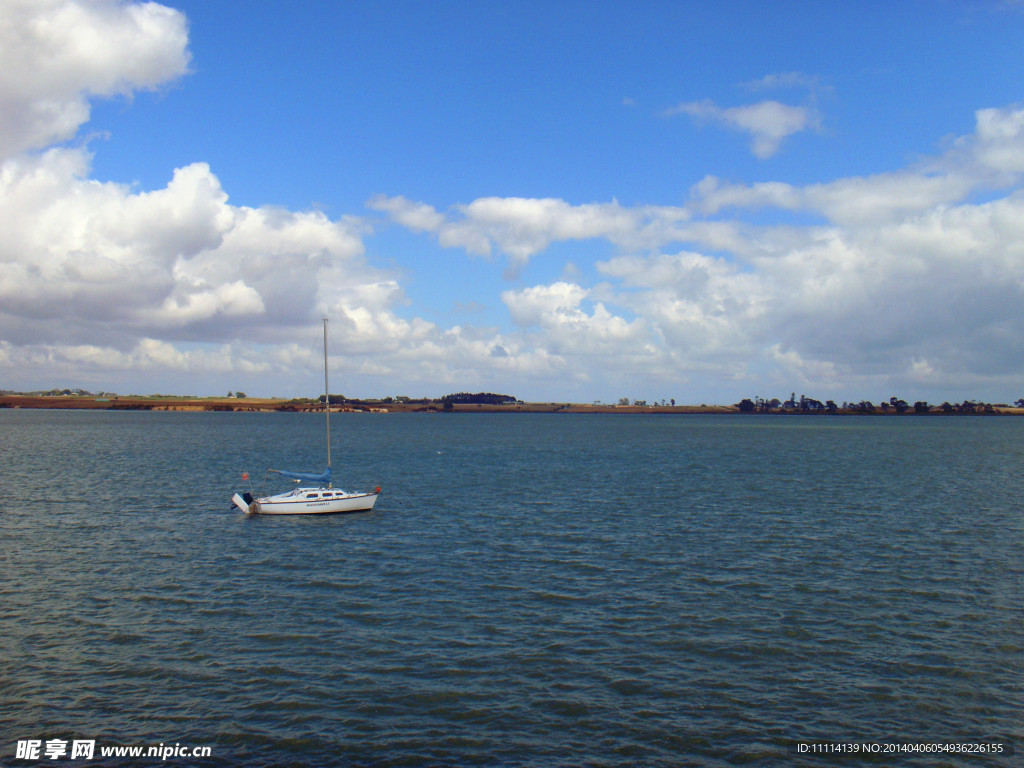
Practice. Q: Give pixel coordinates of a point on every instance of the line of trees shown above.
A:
(77, 392)
(480, 398)
(895, 405)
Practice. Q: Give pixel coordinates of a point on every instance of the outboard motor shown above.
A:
(243, 502)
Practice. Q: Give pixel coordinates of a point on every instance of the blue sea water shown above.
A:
(532, 590)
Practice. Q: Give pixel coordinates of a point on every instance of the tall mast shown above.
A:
(327, 401)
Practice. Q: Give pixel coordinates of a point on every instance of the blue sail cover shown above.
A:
(324, 478)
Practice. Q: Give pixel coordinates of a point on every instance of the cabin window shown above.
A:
(312, 496)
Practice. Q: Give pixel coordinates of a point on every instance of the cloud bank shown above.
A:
(902, 281)
(98, 278)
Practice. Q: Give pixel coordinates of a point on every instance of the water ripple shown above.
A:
(560, 591)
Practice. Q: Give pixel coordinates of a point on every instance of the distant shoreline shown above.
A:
(269, 405)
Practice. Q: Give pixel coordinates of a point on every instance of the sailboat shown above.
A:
(317, 496)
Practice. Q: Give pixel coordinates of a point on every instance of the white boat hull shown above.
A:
(308, 501)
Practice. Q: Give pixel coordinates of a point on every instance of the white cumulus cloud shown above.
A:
(58, 53)
(767, 122)
(523, 227)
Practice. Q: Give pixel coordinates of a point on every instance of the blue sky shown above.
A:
(558, 200)
(326, 104)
